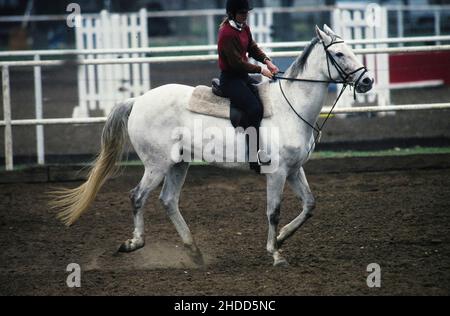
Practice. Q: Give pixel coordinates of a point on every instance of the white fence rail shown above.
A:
(209, 48)
(325, 110)
(7, 123)
(364, 51)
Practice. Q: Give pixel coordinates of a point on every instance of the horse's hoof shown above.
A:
(281, 262)
(131, 245)
(196, 255)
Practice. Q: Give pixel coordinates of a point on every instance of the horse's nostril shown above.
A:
(367, 81)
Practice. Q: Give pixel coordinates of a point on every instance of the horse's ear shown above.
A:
(328, 30)
(318, 32)
(323, 36)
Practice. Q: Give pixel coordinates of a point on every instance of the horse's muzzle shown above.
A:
(365, 85)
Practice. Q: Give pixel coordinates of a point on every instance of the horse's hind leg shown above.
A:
(170, 196)
(150, 181)
(301, 188)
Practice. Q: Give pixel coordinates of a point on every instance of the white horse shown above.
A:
(151, 119)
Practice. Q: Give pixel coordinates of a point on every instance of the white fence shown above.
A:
(112, 31)
(37, 64)
(352, 23)
(261, 23)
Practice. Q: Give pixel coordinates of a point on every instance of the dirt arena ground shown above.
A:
(391, 211)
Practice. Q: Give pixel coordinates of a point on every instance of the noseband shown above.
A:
(344, 76)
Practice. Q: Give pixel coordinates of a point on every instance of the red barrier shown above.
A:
(414, 67)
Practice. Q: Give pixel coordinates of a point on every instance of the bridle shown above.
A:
(344, 76)
(344, 80)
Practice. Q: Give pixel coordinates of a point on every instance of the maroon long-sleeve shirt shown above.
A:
(233, 47)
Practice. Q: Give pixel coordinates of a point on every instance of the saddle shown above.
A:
(211, 101)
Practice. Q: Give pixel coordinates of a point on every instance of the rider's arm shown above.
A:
(254, 51)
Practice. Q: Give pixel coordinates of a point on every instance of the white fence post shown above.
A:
(7, 117)
(104, 39)
(400, 25)
(437, 24)
(40, 146)
(211, 29)
(143, 20)
(382, 69)
(82, 109)
(134, 43)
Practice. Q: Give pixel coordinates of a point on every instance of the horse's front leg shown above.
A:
(301, 188)
(275, 187)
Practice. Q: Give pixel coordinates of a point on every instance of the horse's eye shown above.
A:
(339, 54)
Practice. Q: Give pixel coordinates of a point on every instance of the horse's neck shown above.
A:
(307, 98)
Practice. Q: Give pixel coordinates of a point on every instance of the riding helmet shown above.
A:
(234, 6)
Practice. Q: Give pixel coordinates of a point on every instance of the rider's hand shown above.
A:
(272, 68)
(267, 73)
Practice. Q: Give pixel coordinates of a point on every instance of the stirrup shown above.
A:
(263, 158)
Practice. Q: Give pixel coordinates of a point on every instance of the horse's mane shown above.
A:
(299, 64)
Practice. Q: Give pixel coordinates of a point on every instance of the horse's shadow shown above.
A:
(154, 256)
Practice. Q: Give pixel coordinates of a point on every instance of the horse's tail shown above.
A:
(74, 202)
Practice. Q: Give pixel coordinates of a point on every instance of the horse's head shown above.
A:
(342, 64)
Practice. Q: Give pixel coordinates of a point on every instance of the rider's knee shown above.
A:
(255, 109)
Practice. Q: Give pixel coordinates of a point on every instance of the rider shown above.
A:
(235, 45)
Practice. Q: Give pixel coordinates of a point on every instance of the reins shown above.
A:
(344, 76)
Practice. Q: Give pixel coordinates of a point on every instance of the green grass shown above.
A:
(382, 153)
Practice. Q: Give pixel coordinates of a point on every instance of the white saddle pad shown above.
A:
(204, 101)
